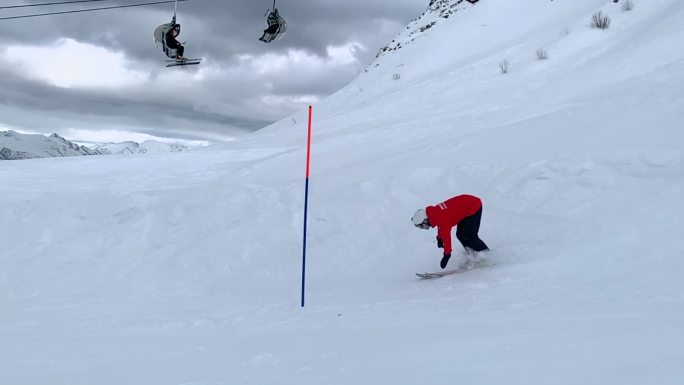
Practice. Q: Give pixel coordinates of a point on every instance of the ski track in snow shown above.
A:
(184, 269)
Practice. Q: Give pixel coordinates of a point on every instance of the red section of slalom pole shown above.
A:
(308, 144)
(306, 202)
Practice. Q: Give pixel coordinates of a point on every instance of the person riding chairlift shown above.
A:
(273, 25)
(171, 41)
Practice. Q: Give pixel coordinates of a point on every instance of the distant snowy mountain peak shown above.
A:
(146, 147)
(15, 146)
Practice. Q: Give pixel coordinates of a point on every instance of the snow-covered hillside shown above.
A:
(435, 12)
(185, 268)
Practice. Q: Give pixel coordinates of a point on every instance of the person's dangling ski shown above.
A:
(463, 211)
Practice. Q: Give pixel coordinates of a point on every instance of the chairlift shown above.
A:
(160, 39)
(277, 26)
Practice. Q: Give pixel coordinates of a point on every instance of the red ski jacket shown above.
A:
(448, 214)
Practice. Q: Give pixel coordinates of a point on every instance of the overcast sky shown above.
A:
(97, 76)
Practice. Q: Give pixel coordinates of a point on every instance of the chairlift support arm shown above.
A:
(175, 9)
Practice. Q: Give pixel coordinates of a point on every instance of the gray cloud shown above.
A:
(231, 98)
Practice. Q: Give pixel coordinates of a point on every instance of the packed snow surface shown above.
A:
(185, 269)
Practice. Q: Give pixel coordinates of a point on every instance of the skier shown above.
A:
(463, 211)
(171, 41)
(271, 30)
(274, 25)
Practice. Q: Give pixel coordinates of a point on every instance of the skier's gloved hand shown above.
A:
(440, 243)
(445, 260)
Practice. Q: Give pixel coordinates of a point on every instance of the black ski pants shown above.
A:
(467, 230)
(180, 50)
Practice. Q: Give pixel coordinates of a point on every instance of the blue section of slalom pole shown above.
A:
(306, 199)
(306, 209)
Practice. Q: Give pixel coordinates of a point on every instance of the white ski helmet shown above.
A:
(420, 219)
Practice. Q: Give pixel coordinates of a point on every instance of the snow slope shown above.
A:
(185, 268)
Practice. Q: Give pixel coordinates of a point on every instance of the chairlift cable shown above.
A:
(90, 9)
(46, 4)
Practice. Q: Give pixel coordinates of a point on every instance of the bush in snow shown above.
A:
(627, 5)
(600, 21)
(396, 76)
(504, 66)
(542, 54)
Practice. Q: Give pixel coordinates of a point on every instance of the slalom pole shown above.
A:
(306, 202)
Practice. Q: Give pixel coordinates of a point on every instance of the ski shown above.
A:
(462, 268)
(182, 63)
